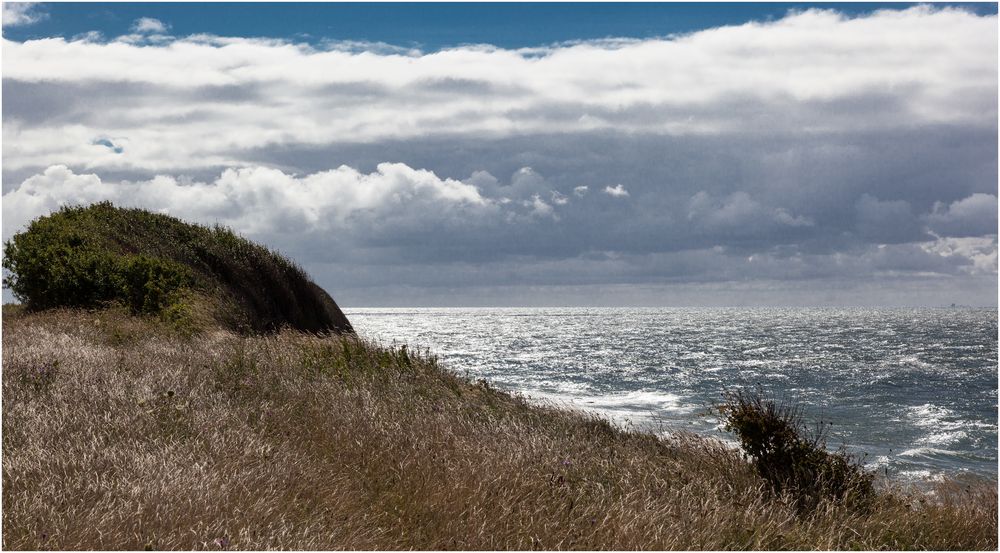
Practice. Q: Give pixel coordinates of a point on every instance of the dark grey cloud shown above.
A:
(458, 86)
(889, 221)
(107, 103)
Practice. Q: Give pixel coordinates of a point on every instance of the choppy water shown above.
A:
(914, 389)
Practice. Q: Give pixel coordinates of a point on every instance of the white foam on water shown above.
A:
(929, 415)
(755, 363)
(941, 425)
(917, 474)
(660, 400)
(762, 349)
(636, 405)
(924, 452)
(922, 475)
(878, 462)
(565, 388)
(943, 438)
(912, 361)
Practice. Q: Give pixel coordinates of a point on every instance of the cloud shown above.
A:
(890, 221)
(22, 13)
(149, 25)
(981, 252)
(400, 206)
(399, 225)
(741, 214)
(257, 200)
(818, 146)
(539, 207)
(616, 191)
(394, 198)
(975, 215)
(858, 76)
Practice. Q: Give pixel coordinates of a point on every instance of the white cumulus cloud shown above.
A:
(617, 191)
(257, 200)
(21, 13)
(149, 25)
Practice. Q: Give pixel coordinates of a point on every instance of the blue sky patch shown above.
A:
(427, 27)
(109, 145)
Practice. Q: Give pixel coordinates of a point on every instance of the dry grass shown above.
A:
(118, 434)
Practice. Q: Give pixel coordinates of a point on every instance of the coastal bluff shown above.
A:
(191, 275)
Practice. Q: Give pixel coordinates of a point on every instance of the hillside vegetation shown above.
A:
(190, 275)
(123, 429)
(118, 433)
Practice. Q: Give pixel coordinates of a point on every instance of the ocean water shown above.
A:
(912, 391)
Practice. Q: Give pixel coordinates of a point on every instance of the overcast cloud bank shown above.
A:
(814, 149)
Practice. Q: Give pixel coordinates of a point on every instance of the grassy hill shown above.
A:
(125, 430)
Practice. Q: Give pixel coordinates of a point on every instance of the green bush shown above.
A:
(150, 284)
(52, 266)
(55, 265)
(790, 457)
(100, 254)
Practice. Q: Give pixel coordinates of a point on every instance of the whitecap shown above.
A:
(924, 452)
(943, 438)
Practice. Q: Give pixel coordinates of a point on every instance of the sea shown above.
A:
(910, 392)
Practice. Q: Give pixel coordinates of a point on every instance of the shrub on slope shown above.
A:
(157, 264)
(790, 458)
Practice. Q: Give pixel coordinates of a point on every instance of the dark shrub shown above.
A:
(792, 458)
(95, 255)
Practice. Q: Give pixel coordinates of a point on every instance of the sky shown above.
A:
(533, 154)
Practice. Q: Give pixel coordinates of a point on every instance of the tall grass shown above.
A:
(120, 433)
